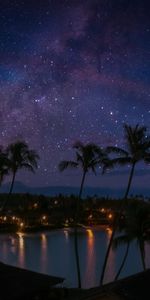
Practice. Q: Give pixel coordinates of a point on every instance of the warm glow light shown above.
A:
(90, 217)
(5, 218)
(35, 205)
(20, 234)
(13, 218)
(110, 216)
(44, 240)
(44, 218)
(102, 210)
(109, 231)
(90, 257)
(21, 248)
(66, 223)
(90, 233)
(112, 255)
(21, 224)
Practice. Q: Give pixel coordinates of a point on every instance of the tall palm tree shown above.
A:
(137, 149)
(87, 158)
(4, 169)
(20, 157)
(4, 165)
(137, 224)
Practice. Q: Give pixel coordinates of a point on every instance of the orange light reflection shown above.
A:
(21, 249)
(110, 271)
(90, 258)
(90, 233)
(44, 252)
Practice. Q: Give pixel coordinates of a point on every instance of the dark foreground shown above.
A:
(22, 284)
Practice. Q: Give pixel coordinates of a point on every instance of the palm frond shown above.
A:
(94, 148)
(93, 168)
(65, 164)
(17, 147)
(20, 156)
(120, 161)
(107, 164)
(116, 150)
(78, 145)
(79, 158)
(26, 166)
(33, 157)
(137, 141)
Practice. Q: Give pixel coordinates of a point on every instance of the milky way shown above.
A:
(72, 70)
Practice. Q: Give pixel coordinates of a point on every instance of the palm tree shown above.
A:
(20, 157)
(4, 165)
(137, 149)
(137, 224)
(87, 158)
(4, 169)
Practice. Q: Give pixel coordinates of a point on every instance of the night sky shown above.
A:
(73, 70)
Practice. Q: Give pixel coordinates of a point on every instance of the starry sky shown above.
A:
(73, 70)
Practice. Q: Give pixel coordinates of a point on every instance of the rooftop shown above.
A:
(17, 283)
(135, 287)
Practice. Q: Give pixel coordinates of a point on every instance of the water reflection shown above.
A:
(4, 251)
(66, 235)
(53, 253)
(90, 235)
(13, 241)
(90, 258)
(44, 242)
(110, 271)
(43, 252)
(13, 245)
(109, 233)
(21, 246)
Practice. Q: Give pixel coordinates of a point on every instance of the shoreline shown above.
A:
(50, 229)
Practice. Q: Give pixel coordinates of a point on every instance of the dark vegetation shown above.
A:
(41, 212)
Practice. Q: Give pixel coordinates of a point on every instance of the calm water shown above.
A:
(53, 253)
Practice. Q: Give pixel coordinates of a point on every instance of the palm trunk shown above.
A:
(115, 225)
(123, 261)
(10, 191)
(142, 252)
(129, 182)
(12, 183)
(76, 231)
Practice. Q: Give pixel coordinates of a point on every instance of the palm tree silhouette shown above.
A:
(137, 224)
(137, 149)
(20, 157)
(87, 158)
(4, 165)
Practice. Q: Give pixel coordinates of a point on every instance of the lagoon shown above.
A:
(53, 253)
